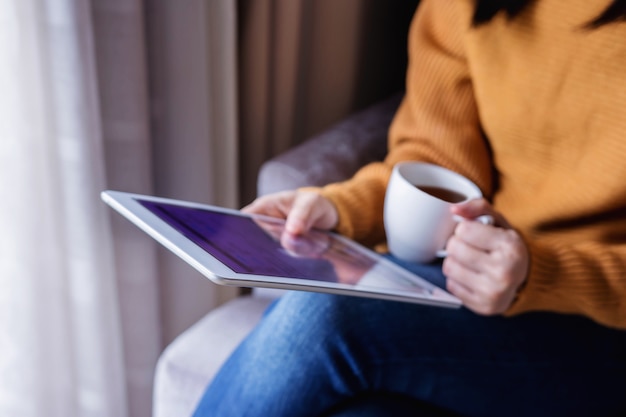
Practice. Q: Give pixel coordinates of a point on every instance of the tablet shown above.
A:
(233, 248)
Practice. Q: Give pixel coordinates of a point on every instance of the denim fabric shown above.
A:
(327, 355)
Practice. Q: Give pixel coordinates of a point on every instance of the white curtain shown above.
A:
(60, 330)
(83, 311)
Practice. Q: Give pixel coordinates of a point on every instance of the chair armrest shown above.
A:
(335, 154)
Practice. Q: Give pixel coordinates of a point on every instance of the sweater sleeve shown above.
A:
(576, 277)
(437, 121)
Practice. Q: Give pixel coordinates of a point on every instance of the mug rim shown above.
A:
(460, 184)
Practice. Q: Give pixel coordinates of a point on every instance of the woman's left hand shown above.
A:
(486, 265)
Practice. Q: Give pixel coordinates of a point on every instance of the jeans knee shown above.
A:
(308, 316)
(315, 316)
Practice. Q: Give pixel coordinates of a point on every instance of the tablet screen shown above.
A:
(259, 245)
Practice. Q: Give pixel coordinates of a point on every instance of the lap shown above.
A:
(565, 365)
(313, 351)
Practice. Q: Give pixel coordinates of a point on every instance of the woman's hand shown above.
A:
(486, 265)
(303, 210)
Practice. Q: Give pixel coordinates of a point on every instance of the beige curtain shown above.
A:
(192, 61)
(306, 64)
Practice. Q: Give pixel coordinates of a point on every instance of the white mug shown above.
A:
(417, 216)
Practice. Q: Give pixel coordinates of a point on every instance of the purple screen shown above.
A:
(260, 246)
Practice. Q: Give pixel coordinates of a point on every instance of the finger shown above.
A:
(483, 237)
(461, 291)
(471, 277)
(472, 299)
(310, 210)
(472, 208)
(479, 207)
(299, 219)
(275, 205)
(457, 275)
(480, 291)
(466, 255)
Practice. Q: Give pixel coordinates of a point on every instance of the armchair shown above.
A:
(188, 364)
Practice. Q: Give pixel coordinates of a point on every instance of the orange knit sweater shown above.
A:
(533, 110)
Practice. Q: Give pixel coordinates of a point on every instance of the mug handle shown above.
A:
(484, 219)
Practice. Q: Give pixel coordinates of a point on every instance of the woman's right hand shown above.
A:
(303, 210)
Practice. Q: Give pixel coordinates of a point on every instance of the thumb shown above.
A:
(472, 208)
(475, 208)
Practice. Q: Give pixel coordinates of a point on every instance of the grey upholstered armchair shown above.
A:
(191, 360)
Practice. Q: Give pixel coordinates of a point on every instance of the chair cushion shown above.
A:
(188, 363)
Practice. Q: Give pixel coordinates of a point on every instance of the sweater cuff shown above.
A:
(538, 291)
(357, 220)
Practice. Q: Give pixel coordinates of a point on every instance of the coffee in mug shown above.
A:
(442, 193)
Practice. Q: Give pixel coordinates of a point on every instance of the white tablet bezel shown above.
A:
(127, 205)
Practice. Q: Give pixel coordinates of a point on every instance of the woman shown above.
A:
(527, 99)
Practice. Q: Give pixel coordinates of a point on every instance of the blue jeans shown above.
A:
(328, 355)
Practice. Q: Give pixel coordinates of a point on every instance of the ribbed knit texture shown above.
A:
(550, 97)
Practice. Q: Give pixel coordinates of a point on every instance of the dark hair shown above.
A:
(486, 9)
